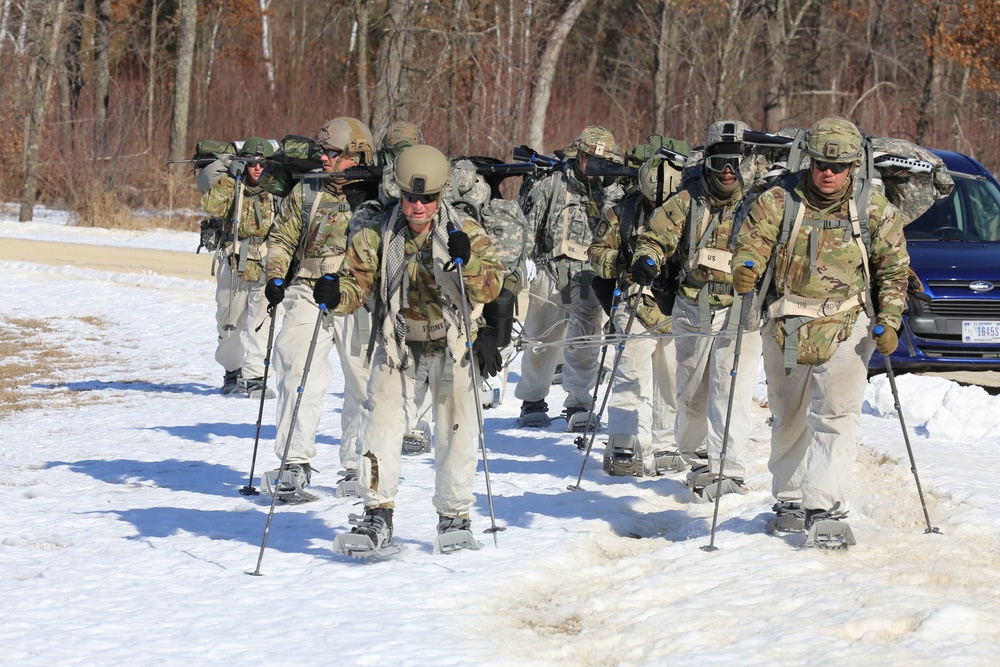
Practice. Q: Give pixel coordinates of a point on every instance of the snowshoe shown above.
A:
(581, 420)
(454, 534)
(370, 537)
(706, 486)
(347, 487)
(623, 456)
(789, 518)
(418, 440)
(534, 415)
(827, 530)
(667, 460)
(231, 383)
(288, 484)
(254, 387)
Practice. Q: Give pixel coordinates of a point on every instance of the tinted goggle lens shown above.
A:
(331, 153)
(835, 167)
(718, 163)
(423, 199)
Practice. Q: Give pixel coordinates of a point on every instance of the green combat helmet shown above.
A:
(834, 140)
(594, 140)
(422, 170)
(399, 136)
(350, 136)
(258, 148)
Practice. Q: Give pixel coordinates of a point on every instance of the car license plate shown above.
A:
(977, 331)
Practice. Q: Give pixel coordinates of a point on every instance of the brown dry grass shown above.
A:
(33, 355)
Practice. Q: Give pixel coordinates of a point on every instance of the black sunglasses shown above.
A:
(332, 154)
(835, 167)
(423, 199)
(718, 163)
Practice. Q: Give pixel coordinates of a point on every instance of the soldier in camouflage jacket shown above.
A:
(239, 293)
(696, 223)
(309, 239)
(826, 281)
(563, 210)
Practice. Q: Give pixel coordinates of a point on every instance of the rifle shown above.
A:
(543, 162)
(602, 166)
(375, 173)
(197, 161)
(915, 166)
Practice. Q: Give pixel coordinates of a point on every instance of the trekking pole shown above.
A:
(229, 327)
(474, 370)
(248, 490)
(592, 424)
(879, 330)
(619, 348)
(291, 431)
(744, 309)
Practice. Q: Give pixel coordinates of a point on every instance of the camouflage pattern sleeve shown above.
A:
(534, 212)
(661, 236)
(890, 261)
(603, 250)
(759, 231)
(361, 268)
(484, 273)
(284, 236)
(219, 198)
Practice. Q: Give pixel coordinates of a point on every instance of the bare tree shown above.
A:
(542, 89)
(265, 39)
(151, 80)
(182, 77)
(391, 95)
(361, 20)
(102, 73)
(783, 21)
(48, 38)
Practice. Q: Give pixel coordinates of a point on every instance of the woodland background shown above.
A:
(98, 94)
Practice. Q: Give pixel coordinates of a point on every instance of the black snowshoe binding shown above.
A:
(706, 486)
(288, 484)
(254, 387)
(370, 536)
(789, 518)
(347, 487)
(418, 440)
(534, 415)
(623, 456)
(827, 530)
(454, 534)
(232, 383)
(580, 420)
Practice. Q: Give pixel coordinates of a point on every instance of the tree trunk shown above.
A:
(361, 17)
(182, 78)
(266, 46)
(542, 90)
(102, 74)
(720, 95)
(47, 52)
(928, 102)
(151, 78)
(391, 98)
(662, 67)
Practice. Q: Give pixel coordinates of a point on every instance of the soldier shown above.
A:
(697, 223)
(816, 340)
(309, 239)
(239, 291)
(405, 259)
(563, 210)
(642, 405)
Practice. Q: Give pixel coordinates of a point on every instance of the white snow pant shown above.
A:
(243, 347)
(643, 398)
(817, 413)
(551, 321)
(456, 431)
(290, 351)
(704, 378)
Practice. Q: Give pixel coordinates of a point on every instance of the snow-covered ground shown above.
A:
(124, 538)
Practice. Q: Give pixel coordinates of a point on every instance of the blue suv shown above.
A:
(955, 251)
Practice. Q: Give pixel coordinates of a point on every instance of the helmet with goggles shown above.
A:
(724, 146)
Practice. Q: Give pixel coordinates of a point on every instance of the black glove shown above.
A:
(459, 246)
(237, 167)
(274, 291)
(624, 258)
(916, 297)
(644, 271)
(487, 352)
(327, 291)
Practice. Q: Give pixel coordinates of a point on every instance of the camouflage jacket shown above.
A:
(429, 304)
(671, 230)
(609, 262)
(824, 264)
(562, 214)
(256, 215)
(322, 248)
